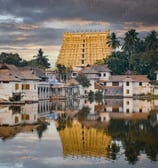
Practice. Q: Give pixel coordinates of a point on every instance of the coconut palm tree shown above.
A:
(151, 41)
(130, 41)
(41, 60)
(113, 41)
(130, 44)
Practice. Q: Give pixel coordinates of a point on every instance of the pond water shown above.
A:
(79, 133)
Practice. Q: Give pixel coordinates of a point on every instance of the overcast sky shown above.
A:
(27, 25)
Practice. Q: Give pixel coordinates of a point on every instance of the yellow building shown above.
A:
(82, 49)
(84, 142)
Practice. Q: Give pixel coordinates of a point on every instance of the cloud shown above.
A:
(26, 23)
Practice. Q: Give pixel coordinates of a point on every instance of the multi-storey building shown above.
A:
(84, 48)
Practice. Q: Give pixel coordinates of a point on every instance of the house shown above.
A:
(127, 85)
(22, 114)
(115, 85)
(95, 73)
(17, 83)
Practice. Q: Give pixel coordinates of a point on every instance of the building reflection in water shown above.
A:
(79, 140)
(111, 128)
(21, 114)
(19, 118)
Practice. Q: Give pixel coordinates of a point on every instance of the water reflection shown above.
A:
(109, 129)
(19, 118)
(78, 140)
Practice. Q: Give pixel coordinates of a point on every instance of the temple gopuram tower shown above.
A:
(84, 48)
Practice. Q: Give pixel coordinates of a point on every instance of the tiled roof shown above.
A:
(101, 68)
(5, 75)
(14, 72)
(89, 70)
(138, 78)
(95, 69)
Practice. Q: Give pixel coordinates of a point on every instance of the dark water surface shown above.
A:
(80, 136)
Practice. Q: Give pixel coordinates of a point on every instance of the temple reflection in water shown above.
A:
(78, 140)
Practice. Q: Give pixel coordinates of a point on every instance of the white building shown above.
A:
(15, 115)
(16, 82)
(115, 85)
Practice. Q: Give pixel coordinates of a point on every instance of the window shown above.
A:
(115, 83)
(140, 110)
(115, 109)
(82, 61)
(25, 87)
(104, 83)
(140, 83)
(99, 74)
(104, 74)
(16, 119)
(34, 86)
(82, 50)
(127, 83)
(127, 102)
(16, 86)
(82, 55)
(127, 91)
(127, 110)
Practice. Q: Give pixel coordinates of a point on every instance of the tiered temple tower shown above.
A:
(84, 48)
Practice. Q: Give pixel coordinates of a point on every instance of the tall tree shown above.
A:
(130, 41)
(130, 44)
(113, 41)
(41, 60)
(151, 41)
(61, 72)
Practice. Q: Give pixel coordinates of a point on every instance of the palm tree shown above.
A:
(151, 41)
(41, 60)
(130, 44)
(130, 41)
(113, 41)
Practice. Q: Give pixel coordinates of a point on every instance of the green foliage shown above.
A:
(113, 41)
(10, 58)
(145, 63)
(139, 56)
(98, 96)
(118, 62)
(151, 41)
(83, 114)
(41, 60)
(15, 97)
(83, 80)
(61, 72)
(130, 41)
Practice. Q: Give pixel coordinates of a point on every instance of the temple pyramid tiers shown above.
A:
(80, 49)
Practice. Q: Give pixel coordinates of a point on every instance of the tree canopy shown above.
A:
(138, 55)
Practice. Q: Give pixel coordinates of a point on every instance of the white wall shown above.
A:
(7, 89)
(9, 117)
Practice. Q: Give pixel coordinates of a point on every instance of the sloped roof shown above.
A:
(132, 78)
(5, 75)
(101, 68)
(18, 73)
(89, 70)
(95, 69)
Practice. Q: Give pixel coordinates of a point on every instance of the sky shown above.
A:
(27, 25)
